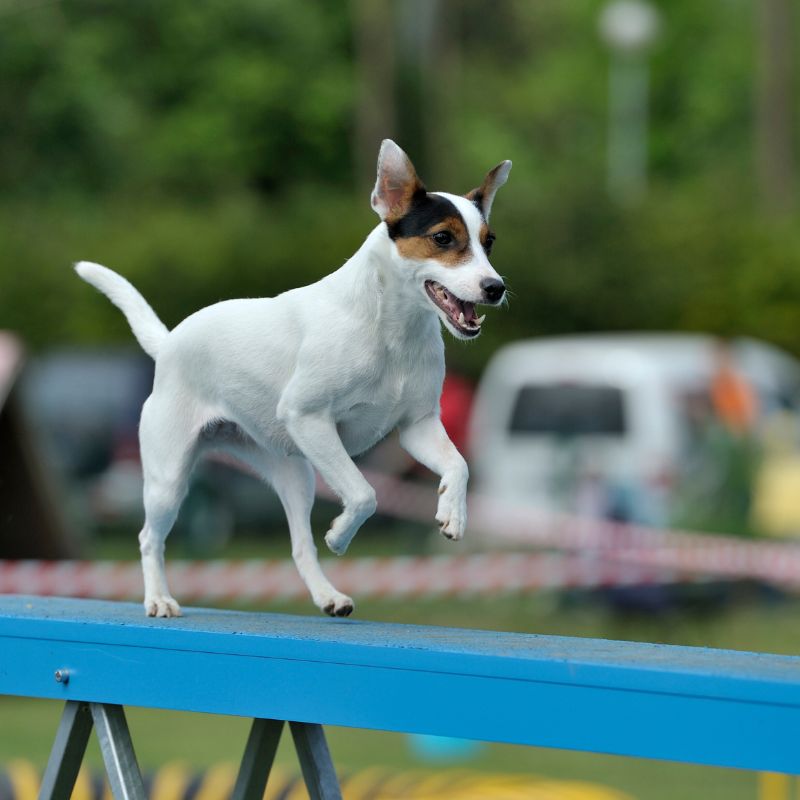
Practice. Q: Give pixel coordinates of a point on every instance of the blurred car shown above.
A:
(608, 425)
(83, 405)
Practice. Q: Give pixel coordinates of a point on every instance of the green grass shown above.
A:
(746, 622)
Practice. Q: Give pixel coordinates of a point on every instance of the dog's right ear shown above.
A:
(397, 183)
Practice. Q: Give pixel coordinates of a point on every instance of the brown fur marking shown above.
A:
(403, 203)
(400, 194)
(423, 247)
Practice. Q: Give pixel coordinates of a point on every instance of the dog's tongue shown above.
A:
(469, 311)
(456, 307)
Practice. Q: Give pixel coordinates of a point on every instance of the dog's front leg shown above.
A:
(427, 441)
(316, 436)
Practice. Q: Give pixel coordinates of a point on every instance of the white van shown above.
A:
(601, 425)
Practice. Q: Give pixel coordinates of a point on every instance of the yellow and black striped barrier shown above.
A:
(777, 786)
(19, 780)
(176, 781)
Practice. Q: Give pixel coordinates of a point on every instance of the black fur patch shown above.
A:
(477, 198)
(426, 210)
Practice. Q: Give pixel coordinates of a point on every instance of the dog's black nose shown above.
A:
(493, 290)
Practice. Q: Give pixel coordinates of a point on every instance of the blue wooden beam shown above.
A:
(687, 704)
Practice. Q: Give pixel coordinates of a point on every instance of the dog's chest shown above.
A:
(398, 394)
(368, 419)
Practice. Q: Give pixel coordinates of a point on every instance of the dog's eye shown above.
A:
(443, 238)
(488, 242)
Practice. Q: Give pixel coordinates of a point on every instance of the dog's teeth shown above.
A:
(461, 320)
(480, 320)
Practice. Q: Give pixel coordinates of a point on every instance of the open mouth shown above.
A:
(460, 314)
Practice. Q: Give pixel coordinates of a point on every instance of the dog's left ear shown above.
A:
(397, 182)
(483, 196)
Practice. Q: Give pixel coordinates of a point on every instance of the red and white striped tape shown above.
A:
(592, 553)
(257, 581)
(502, 524)
(499, 523)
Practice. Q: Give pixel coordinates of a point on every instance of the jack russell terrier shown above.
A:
(317, 375)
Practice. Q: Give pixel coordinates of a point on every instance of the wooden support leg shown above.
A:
(262, 743)
(118, 754)
(315, 761)
(67, 753)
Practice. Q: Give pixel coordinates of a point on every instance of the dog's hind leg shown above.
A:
(293, 480)
(168, 449)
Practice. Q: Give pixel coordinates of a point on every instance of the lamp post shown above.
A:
(628, 27)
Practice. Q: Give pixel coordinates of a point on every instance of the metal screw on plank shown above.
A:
(62, 676)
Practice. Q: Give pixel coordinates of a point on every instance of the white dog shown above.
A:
(316, 375)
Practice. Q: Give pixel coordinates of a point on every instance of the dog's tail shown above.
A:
(146, 326)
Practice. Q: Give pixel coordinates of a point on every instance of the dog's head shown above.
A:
(441, 242)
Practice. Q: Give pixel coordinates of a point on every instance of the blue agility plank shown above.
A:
(687, 704)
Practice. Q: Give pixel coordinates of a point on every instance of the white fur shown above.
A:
(310, 378)
(146, 326)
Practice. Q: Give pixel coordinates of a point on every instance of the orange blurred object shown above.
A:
(734, 399)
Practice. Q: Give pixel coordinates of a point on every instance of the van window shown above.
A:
(569, 410)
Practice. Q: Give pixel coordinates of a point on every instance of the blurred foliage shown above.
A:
(208, 150)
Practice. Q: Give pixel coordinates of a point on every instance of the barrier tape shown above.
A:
(255, 581)
(497, 523)
(590, 553)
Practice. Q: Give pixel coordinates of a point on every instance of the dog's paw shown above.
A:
(452, 513)
(162, 605)
(346, 525)
(337, 538)
(337, 605)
